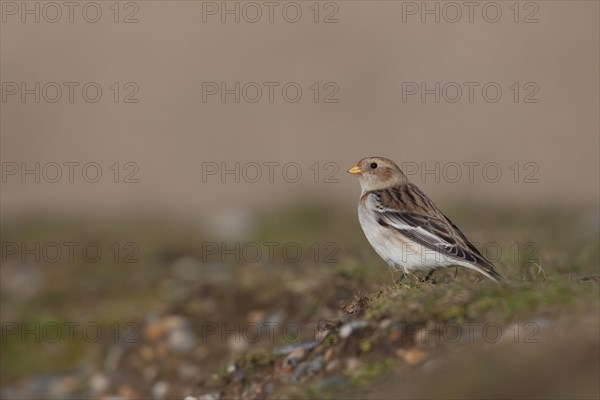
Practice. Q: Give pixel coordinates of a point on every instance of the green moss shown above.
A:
(21, 351)
(366, 345)
(259, 358)
(352, 271)
(369, 371)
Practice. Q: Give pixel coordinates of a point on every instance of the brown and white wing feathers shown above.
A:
(409, 211)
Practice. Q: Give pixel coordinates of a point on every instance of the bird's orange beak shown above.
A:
(355, 170)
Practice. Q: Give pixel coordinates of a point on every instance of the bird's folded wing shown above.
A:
(423, 223)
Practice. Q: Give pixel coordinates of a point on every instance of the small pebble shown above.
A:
(384, 324)
(328, 355)
(322, 334)
(315, 365)
(99, 383)
(294, 358)
(210, 396)
(300, 371)
(346, 330)
(146, 353)
(256, 316)
(333, 365)
(412, 356)
(181, 340)
(239, 376)
(334, 381)
(353, 364)
(113, 358)
(150, 373)
(291, 347)
(160, 389)
(307, 367)
(269, 388)
(187, 371)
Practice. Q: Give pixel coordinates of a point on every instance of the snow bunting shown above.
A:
(404, 226)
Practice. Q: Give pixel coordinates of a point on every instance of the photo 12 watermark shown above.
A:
(453, 12)
(70, 252)
(69, 12)
(288, 92)
(269, 251)
(489, 92)
(518, 172)
(513, 252)
(28, 172)
(69, 92)
(469, 332)
(269, 172)
(270, 12)
(69, 332)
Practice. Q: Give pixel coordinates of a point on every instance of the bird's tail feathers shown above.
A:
(489, 272)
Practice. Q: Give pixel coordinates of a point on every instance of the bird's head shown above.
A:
(377, 173)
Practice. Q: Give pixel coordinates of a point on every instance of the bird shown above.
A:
(406, 228)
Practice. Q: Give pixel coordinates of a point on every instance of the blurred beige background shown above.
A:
(368, 54)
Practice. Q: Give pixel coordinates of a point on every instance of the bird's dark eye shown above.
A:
(373, 165)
